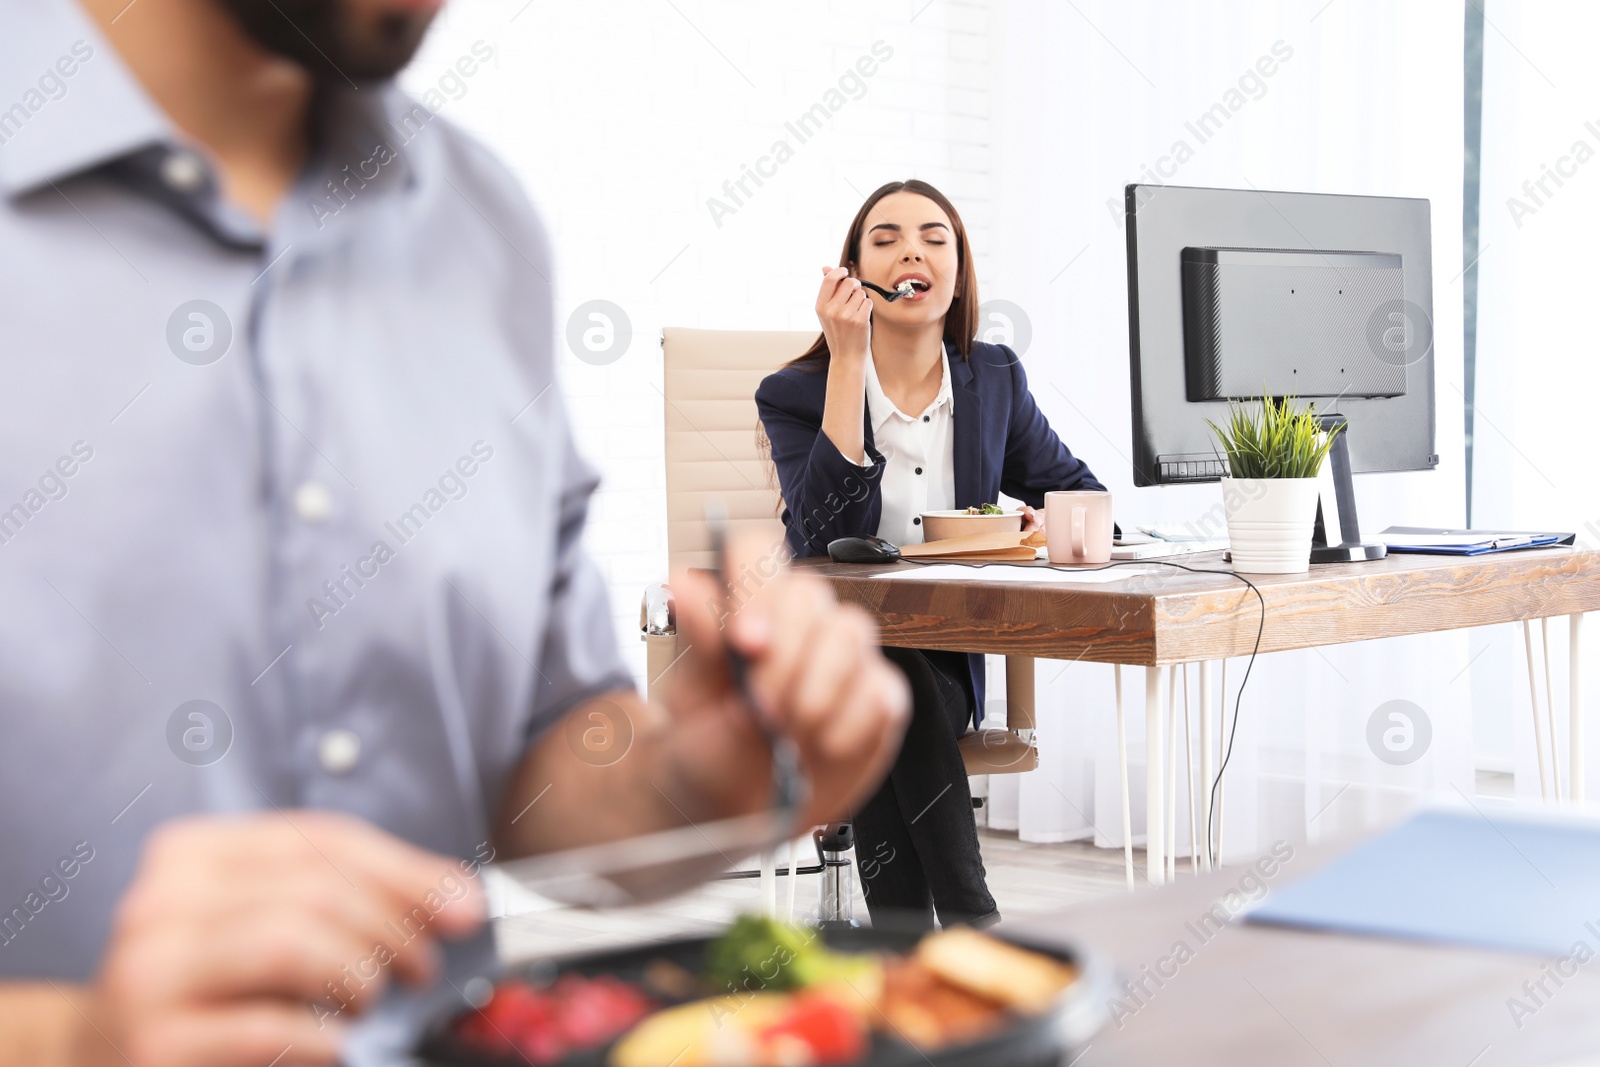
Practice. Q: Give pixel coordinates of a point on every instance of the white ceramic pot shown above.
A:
(1269, 523)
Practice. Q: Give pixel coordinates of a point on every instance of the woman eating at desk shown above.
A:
(897, 410)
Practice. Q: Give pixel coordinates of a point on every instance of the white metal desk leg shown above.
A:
(1188, 778)
(1122, 765)
(769, 884)
(1207, 764)
(1222, 755)
(1575, 692)
(1538, 723)
(1550, 708)
(1155, 780)
(1172, 773)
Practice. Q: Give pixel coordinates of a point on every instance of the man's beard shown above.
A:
(327, 39)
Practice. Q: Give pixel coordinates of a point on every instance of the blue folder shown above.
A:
(1493, 540)
(1502, 881)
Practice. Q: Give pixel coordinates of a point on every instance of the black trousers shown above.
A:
(916, 840)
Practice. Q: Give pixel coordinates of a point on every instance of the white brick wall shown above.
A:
(622, 119)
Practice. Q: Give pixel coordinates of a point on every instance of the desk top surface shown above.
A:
(1161, 614)
(1246, 994)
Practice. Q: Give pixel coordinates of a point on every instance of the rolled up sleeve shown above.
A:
(578, 659)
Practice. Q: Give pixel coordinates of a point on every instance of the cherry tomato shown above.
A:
(832, 1032)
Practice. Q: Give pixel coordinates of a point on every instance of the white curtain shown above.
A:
(1090, 96)
(1537, 373)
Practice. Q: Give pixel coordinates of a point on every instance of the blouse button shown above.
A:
(925, 418)
(919, 470)
(917, 521)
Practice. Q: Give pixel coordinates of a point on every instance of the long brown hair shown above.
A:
(961, 321)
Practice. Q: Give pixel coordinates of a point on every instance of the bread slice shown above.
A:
(1015, 977)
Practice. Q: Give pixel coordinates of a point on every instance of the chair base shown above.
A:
(836, 890)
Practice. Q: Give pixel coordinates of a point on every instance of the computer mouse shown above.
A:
(862, 550)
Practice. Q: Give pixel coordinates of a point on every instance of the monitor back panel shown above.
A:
(1381, 380)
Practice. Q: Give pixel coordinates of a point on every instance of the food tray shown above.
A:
(1046, 1040)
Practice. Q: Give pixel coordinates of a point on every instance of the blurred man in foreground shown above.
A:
(297, 632)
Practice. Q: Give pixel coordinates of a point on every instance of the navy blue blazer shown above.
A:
(1003, 444)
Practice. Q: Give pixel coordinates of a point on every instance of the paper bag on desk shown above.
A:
(1004, 547)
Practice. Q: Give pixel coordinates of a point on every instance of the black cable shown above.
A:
(1261, 626)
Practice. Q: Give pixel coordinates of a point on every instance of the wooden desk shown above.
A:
(1162, 617)
(1289, 998)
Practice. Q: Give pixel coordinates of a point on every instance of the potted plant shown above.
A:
(1274, 452)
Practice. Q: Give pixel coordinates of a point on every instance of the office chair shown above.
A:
(714, 453)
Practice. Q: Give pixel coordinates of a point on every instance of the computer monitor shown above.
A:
(1238, 293)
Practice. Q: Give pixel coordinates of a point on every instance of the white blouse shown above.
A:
(919, 457)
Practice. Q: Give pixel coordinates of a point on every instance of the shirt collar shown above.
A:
(356, 128)
(54, 124)
(880, 407)
(361, 152)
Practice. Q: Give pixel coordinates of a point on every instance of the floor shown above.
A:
(1024, 878)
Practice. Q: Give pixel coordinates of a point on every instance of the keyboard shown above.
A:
(1182, 531)
(1161, 549)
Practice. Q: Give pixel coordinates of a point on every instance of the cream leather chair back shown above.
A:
(713, 432)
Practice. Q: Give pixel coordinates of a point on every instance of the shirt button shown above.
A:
(183, 171)
(919, 470)
(338, 751)
(917, 521)
(313, 502)
(925, 418)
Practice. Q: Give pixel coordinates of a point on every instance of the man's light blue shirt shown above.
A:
(289, 517)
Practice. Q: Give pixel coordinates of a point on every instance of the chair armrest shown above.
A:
(997, 752)
(658, 612)
(658, 629)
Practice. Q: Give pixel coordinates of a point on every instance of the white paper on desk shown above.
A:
(1000, 572)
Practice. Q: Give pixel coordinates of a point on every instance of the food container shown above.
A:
(1050, 1039)
(938, 525)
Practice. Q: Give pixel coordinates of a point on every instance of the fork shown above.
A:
(789, 786)
(905, 288)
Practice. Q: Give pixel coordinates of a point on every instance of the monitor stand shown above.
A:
(1336, 501)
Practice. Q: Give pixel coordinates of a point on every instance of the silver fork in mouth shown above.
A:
(905, 288)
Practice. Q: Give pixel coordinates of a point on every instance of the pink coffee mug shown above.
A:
(1078, 527)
